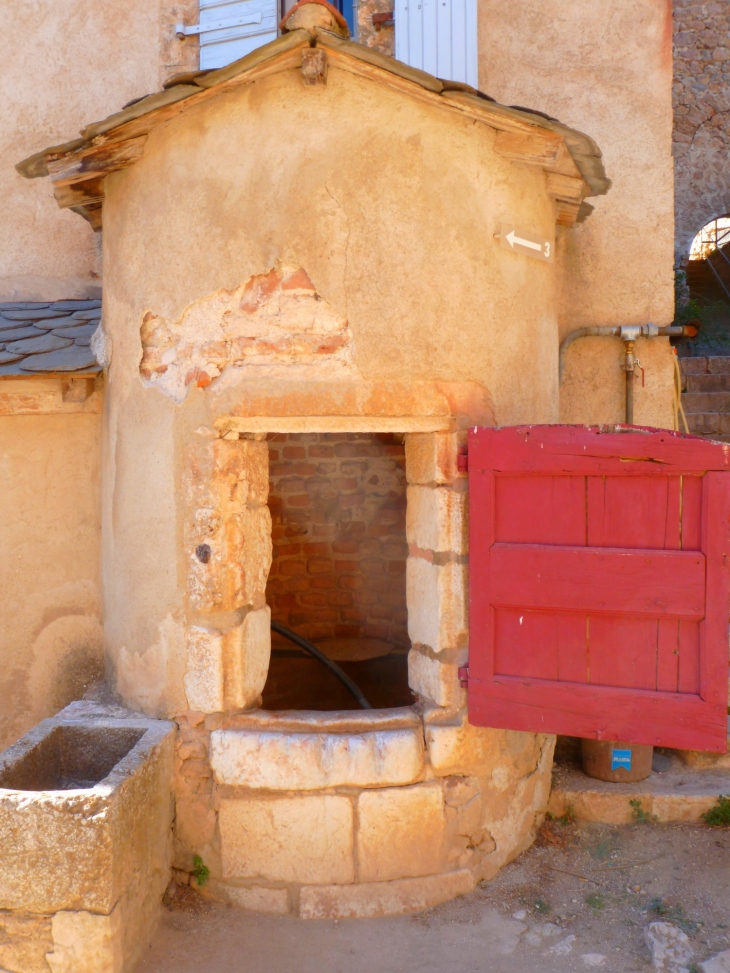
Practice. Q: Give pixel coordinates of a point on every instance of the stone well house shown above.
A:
(302, 249)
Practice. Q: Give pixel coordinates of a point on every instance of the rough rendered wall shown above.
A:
(701, 116)
(338, 507)
(65, 65)
(605, 68)
(50, 609)
(350, 262)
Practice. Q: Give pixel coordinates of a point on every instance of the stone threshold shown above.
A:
(326, 721)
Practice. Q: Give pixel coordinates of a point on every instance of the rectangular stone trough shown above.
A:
(86, 824)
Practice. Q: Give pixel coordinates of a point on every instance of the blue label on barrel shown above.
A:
(620, 759)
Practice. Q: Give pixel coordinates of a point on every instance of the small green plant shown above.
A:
(640, 815)
(602, 849)
(567, 817)
(672, 913)
(596, 901)
(719, 815)
(201, 872)
(542, 907)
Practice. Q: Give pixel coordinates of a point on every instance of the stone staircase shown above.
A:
(706, 396)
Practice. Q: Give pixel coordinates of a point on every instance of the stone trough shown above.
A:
(86, 815)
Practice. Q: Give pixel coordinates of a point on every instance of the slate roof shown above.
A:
(37, 338)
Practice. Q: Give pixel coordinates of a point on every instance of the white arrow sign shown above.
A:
(519, 241)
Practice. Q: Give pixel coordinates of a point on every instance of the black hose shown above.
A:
(325, 660)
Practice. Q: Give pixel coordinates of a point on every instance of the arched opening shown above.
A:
(708, 268)
(706, 296)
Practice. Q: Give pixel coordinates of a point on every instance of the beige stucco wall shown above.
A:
(390, 206)
(607, 70)
(65, 65)
(50, 610)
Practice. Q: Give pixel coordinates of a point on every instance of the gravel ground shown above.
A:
(579, 898)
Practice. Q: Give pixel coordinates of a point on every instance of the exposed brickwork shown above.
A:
(706, 396)
(701, 97)
(338, 506)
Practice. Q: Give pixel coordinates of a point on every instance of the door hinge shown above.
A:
(381, 20)
(462, 461)
(463, 672)
(183, 30)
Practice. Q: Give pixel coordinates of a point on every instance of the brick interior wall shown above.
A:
(701, 116)
(338, 505)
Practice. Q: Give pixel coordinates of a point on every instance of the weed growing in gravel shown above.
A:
(596, 901)
(719, 815)
(542, 907)
(603, 849)
(672, 913)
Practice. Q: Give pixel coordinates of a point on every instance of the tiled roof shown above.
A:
(40, 338)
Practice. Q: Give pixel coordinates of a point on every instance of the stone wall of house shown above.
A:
(50, 610)
(338, 508)
(701, 99)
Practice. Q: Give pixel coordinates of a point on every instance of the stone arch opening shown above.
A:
(338, 572)
(708, 267)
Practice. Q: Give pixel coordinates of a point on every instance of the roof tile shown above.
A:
(49, 337)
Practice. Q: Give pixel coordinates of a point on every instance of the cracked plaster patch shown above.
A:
(276, 318)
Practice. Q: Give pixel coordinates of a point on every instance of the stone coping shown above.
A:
(326, 721)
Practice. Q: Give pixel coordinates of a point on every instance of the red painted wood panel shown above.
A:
(599, 585)
(594, 579)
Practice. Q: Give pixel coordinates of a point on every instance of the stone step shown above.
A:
(682, 795)
(711, 424)
(707, 383)
(706, 402)
(702, 365)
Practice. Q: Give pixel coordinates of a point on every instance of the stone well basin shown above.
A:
(86, 824)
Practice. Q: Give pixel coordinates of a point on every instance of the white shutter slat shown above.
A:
(222, 46)
(438, 36)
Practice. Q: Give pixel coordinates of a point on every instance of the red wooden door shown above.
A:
(599, 584)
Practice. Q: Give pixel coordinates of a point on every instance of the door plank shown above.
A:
(595, 579)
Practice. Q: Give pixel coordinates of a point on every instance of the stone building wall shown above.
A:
(701, 97)
(338, 507)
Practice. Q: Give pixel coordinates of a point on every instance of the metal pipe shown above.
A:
(628, 334)
(351, 687)
(629, 366)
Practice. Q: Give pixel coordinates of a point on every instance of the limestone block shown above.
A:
(372, 899)
(259, 898)
(401, 832)
(435, 680)
(288, 839)
(311, 761)
(204, 670)
(470, 817)
(480, 751)
(247, 653)
(460, 790)
(24, 942)
(86, 943)
(228, 529)
(431, 457)
(436, 519)
(437, 604)
(681, 807)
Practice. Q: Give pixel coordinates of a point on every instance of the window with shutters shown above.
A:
(438, 36)
(230, 29)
